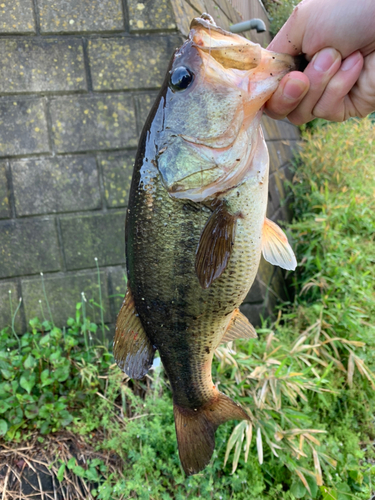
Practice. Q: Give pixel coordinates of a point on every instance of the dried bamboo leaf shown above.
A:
(275, 394)
(318, 470)
(279, 436)
(249, 435)
(263, 394)
(297, 452)
(350, 369)
(237, 452)
(329, 459)
(355, 343)
(312, 438)
(256, 372)
(272, 352)
(364, 371)
(270, 337)
(338, 363)
(298, 343)
(234, 437)
(301, 441)
(272, 361)
(273, 448)
(303, 479)
(259, 446)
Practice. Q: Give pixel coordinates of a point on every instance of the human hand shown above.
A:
(338, 37)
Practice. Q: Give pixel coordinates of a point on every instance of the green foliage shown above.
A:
(44, 378)
(279, 13)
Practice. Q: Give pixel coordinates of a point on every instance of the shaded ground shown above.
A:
(31, 470)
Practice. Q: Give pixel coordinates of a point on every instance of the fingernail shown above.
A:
(324, 59)
(351, 61)
(293, 89)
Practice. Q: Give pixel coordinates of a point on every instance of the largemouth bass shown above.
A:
(196, 225)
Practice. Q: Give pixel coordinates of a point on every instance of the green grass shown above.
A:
(307, 383)
(279, 12)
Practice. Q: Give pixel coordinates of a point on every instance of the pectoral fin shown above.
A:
(239, 328)
(276, 248)
(132, 349)
(215, 246)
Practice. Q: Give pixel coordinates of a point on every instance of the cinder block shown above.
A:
(254, 312)
(183, 14)
(4, 193)
(199, 6)
(130, 63)
(28, 247)
(16, 16)
(86, 237)
(62, 184)
(226, 8)
(145, 103)
(150, 15)
(63, 293)
(271, 128)
(118, 280)
(117, 174)
(8, 305)
(220, 17)
(23, 127)
(256, 293)
(288, 131)
(288, 172)
(265, 271)
(72, 16)
(41, 66)
(93, 123)
(271, 208)
(279, 129)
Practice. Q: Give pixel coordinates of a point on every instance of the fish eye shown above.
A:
(180, 79)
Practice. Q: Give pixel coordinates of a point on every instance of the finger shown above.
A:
(319, 71)
(362, 95)
(291, 90)
(334, 104)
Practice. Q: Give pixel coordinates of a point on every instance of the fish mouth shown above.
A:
(235, 52)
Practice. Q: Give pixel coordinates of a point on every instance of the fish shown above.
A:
(196, 225)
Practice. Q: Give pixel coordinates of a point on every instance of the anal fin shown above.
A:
(215, 246)
(239, 327)
(276, 248)
(195, 429)
(132, 349)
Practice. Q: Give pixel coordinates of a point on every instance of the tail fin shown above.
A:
(195, 430)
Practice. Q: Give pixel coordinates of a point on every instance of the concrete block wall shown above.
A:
(77, 80)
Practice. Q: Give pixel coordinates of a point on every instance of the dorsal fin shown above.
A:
(239, 327)
(132, 349)
(276, 248)
(215, 246)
